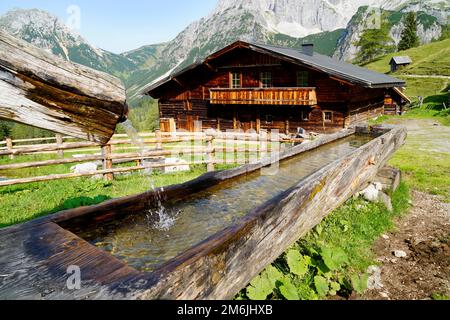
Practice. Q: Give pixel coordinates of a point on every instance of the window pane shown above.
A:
(235, 80)
(302, 79)
(266, 79)
(328, 116)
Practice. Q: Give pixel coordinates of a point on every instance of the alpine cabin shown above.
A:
(249, 86)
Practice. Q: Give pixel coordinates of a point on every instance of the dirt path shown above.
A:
(424, 76)
(424, 235)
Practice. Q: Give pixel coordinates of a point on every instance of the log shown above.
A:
(45, 91)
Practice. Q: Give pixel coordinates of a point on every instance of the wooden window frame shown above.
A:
(303, 113)
(300, 81)
(325, 116)
(262, 77)
(232, 83)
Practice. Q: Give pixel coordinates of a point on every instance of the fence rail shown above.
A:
(212, 149)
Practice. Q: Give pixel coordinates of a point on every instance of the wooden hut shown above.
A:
(399, 62)
(248, 86)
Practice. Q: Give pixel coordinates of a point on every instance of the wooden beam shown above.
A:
(43, 90)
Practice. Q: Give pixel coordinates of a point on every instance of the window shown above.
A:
(235, 80)
(328, 116)
(302, 79)
(266, 79)
(304, 114)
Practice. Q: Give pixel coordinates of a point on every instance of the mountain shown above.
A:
(49, 33)
(332, 25)
(431, 20)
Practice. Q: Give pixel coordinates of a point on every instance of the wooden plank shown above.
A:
(42, 90)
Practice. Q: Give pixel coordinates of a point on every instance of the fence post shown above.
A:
(210, 155)
(158, 139)
(107, 162)
(9, 147)
(59, 143)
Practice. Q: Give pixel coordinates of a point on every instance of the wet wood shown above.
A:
(42, 90)
(35, 255)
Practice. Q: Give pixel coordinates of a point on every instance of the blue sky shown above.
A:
(120, 26)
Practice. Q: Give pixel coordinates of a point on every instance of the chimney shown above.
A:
(308, 49)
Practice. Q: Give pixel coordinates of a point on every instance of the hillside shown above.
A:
(430, 59)
(428, 77)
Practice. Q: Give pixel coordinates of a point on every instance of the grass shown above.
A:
(22, 203)
(349, 233)
(430, 59)
(425, 171)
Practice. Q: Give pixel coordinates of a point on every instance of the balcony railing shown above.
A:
(264, 96)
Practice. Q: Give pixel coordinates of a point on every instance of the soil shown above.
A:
(424, 235)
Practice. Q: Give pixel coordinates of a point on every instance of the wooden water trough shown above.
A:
(35, 256)
(41, 90)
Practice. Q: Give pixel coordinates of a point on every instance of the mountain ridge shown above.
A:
(276, 22)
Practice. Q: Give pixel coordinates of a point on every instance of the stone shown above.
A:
(181, 165)
(384, 295)
(386, 200)
(378, 186)
(85, 168)
(374, 280)
(400, 254)
(385, 237)
(370, 193)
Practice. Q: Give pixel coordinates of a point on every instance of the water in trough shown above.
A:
(144, 246)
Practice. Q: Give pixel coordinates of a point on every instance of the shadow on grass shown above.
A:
(66, 205)
(437, 102)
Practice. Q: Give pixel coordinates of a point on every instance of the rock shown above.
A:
(182, 165)
(400, 254)
(85, 168)
(386, 200)
(384, 295)
(378, 186)
(385, 237)
(394, 261)
(374, 280)
(370, 193)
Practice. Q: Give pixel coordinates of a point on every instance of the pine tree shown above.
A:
(374, 43)
(409, 35)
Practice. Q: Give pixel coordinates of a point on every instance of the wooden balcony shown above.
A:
(264, 96)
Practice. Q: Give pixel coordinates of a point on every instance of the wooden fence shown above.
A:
(206, 146)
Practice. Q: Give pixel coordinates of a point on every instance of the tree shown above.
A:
(409, 39)
(374, 43)
(5, 130)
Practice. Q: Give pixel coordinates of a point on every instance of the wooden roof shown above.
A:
(399, 60)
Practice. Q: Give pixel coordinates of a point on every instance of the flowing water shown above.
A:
(145, 246)
(164, 220)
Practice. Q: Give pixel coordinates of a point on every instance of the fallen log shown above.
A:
(44, 91)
